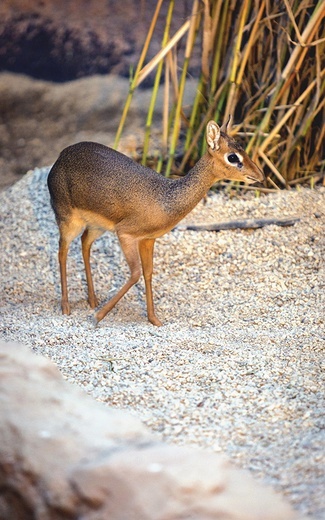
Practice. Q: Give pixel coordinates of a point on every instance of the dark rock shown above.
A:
(61, 41)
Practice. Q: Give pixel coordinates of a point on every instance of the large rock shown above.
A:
(41, 118)
(81, 43)
(58, 40)
(65, 456)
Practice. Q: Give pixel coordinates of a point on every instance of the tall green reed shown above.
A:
(262, 62)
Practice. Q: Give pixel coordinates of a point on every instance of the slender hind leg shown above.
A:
(146, 255)
(63, 253)
(87, 238)
(130, 248)
(68, 232)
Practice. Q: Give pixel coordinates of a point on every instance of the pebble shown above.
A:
(236, 368)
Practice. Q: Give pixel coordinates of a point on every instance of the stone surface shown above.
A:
(63, 455)
(38, 118)
(85, 51)
(63, 40)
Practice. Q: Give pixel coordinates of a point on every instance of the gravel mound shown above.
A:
(236, 366)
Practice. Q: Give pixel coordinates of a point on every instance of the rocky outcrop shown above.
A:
(88, 49)
(62, 41)
(65, 456)
(41, 118)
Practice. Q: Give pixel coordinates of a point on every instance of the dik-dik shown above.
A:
(94, 189)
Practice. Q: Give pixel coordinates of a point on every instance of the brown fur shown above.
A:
(94, 189)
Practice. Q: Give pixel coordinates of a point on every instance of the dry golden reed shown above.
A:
(262, 63)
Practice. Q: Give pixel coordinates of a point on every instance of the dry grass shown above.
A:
(262, 62)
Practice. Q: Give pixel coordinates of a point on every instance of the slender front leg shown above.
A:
(130, 248)
(146, 254)
(87, 238)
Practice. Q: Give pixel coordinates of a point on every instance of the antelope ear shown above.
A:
(213, 136)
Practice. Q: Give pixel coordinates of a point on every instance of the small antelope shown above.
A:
(94, 189)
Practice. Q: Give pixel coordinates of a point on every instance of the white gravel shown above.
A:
(236, 367)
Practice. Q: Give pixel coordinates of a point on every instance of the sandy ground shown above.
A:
(237, 365)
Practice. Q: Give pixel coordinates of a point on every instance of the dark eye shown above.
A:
(233, 158)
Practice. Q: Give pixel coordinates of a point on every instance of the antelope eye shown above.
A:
(233, 158)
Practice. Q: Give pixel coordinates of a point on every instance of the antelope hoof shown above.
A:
(154, 320)
(93, 302)
(98, 317)
(65, 308)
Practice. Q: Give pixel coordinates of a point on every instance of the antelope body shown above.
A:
(94, 188)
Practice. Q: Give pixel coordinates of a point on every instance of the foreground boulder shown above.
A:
(66, 456)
